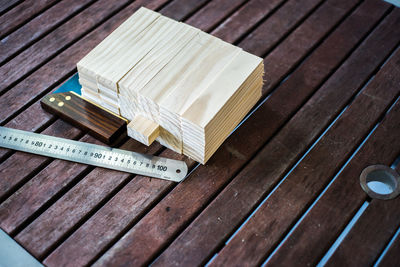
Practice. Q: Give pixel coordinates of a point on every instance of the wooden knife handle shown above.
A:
(100, 123)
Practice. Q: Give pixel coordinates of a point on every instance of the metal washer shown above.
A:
(388, 172)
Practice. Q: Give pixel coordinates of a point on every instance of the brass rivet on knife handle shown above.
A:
(100, 123)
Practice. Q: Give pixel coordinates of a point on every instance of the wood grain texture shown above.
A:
(8, 4)
(59, 39)
(25, 163)
(40, 25)
(109, 61)
(169, 72)
(64, 64)
(251, 12)
(218, 10)
(115, 217)
(263, 123)
(137, 209)
(344, 196)
(370, 235)
(269, 32)
(391, 257)
(54, 223)
(181, 9)
(296, 46)
(20, 14)
(61, 233)
(144, 130)
(100, 123)
(128, 212)
(249, 187)
(18, 208)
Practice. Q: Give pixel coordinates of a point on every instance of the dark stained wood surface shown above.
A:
(281, 188)
(98, 122)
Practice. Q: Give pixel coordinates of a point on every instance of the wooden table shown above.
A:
(282, 189)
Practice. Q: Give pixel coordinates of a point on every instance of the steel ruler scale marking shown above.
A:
(96, 155)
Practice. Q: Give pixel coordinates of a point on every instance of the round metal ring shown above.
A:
(381, 174)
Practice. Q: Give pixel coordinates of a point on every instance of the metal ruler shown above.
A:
(111, 158)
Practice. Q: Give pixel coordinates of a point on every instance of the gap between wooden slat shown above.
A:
(342, 235)
(5, 7)
(92, 212)
(269, 256)
(44, 126)
(267, 16)
(44, 33)
(26, 20)
(134, 222)
(65, 47)
(308, 54)
(59, 194)
(206, 204)
(112, 194)
(304, 58)
(384, 252)
(32, 174)
(47, 90)
(307, 151)
(348, 229)
(148, 208)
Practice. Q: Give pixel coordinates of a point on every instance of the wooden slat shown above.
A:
(247, 189)
(93, 237)
(26, 122)
(21, 14)
(25, 164)
(19, 207)
(98, 239)
(203, 185)
(58, 69)
(392, 257)
(274, 217)
(66, 61)
(264, 37)
(7, 4)
(101, 214)
(370, 235)
(72, 207)
(38, 26)
(252, 13)
(324, 222)
(44, 241)
(56, 41)
(57, 129)
(218, 10)
(180, 9)
(291, 51)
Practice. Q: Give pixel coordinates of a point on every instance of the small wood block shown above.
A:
(143, 130)
(100, 123)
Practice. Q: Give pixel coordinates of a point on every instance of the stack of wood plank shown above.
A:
(176, 84)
